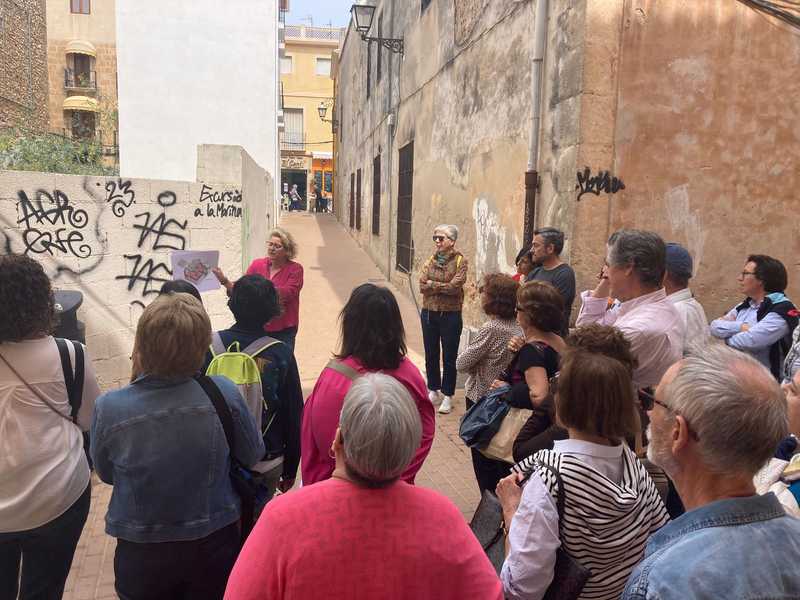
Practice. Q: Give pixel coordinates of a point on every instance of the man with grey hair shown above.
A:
(633, 275)
(715, 420)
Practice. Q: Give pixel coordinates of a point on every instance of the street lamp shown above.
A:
(362, 15)
(322, 110)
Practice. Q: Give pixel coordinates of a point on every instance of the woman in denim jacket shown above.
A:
(160, 443)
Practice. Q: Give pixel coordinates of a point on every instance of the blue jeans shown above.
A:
(441, 329)
(46, 554)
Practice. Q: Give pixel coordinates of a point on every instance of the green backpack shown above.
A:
(241, 368)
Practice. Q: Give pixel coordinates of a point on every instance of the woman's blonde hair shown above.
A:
(172, 337)
(286, 239)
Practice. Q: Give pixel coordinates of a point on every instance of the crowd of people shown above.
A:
(658, 452)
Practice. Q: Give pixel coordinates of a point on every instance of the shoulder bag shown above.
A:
(245, 482)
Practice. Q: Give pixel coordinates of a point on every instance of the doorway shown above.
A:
(290, 177)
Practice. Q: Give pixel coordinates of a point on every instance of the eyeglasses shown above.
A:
(649, 401)
(274, 245)
(744, 274)
(438, 238)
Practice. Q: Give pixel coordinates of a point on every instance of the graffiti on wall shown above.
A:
(603, 182)
(52, 226)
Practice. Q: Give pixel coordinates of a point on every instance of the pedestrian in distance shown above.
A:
(762, 325)
(441, 283)
(45, 406)
(365, 533)
(715, 420)
(286, 274)
(161, 444)
(372, 339)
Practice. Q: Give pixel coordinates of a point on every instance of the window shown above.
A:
(376, 195)
(425, 4)
(286, 65)
(352, 200)
(358, 200)
(324, 67)
(379, 65)
(293, 129)
(82, 125)
(405, 185)
(81, 7)
(369, 67)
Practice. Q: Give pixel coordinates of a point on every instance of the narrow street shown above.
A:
(333, 265)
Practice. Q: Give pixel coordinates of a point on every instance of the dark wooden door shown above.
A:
(405, 250)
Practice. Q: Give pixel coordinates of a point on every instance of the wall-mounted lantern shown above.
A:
(362, 16)
(322, 109)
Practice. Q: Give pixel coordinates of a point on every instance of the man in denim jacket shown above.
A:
(716, 420)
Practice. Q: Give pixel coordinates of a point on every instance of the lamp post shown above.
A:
(362, 16)
(322, 110)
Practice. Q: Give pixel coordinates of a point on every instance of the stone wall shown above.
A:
(692, 106)
(23, 64)
(469, 121)
(111, 239)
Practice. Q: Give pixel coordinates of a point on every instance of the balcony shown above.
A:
(293, 141)
(325, 34)
(80, 80)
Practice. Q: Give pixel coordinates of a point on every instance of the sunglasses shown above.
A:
(438, 238)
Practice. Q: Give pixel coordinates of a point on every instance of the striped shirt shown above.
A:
(611, 509)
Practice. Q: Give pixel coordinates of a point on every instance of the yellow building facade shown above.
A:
(82, 70)
(307, 140)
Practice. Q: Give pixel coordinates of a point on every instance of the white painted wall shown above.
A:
(191, 73)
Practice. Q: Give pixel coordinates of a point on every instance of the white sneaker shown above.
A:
(434, 396)
(447, 406)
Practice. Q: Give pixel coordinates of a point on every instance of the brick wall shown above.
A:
(23, 64)
(111, 239)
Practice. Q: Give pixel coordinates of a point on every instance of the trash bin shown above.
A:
(69, 327)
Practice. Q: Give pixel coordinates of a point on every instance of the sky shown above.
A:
(336, 12)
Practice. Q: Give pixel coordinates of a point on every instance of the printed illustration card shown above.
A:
(195, 267)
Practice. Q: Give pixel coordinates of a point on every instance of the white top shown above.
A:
(611, 508)
(693, 317)
(43, 469)
(650, 323)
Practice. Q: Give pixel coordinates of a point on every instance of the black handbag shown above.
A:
(250, 491)
(569, 576)
(487, 525)
(483, 419)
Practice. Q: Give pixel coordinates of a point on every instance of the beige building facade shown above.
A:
(82, 65)
(672, 116)
(307, 139)
(23, 65)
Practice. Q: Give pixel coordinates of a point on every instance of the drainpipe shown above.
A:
(390, 126)
(537, 67)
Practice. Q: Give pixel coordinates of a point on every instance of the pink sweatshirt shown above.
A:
(338, 541)
(288, 281)
(324, 405)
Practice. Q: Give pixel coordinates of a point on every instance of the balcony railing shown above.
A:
(304, 32)
(293, 141)
(80, 80)
(280, 98)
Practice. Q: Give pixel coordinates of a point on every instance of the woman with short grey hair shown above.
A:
(386, 529)
(441, 283)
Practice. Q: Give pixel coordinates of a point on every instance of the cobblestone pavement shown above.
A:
(333, 264)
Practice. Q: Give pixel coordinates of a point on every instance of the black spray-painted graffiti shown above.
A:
(121, 196)
(160, 225)
(602, 182)
(220, 204)
(50, 211)
(147, 273)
